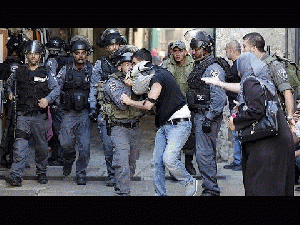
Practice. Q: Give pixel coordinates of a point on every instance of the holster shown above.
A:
(108, 128)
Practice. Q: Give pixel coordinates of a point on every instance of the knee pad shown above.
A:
(22, 134)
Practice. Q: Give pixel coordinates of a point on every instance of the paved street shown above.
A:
(229, 181)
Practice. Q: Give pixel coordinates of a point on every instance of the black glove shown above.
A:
(206, 126)
(93, 115)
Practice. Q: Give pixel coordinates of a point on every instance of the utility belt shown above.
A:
(33, 113)
(126, 125)
(200, 110)
(177, 120)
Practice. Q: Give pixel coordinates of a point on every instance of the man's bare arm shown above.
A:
(146, 104)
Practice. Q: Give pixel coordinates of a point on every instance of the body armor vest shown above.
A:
(107, 68)
(198, 95)
(31, 87)
(76, 88)
(110, 110)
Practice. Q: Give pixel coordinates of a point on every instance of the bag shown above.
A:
(198, 99)
(267, 126)
(292, 69)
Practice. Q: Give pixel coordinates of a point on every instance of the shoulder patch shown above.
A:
(112, 86)
(214, 73)
(282, 74)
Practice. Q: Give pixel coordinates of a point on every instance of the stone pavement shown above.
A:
(230, 182)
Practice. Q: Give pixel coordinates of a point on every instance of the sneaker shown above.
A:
(14, 180)
(237, 168)
(230, 166)
(191, 188)
(81, 180)
(42, 178)
(190, 168)
(111, 182)
(67, 169)
(208, 193)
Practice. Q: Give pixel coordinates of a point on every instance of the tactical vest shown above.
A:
(109, 109)
(76, 88)
(198, 95)
(107, 68)
(31, 88)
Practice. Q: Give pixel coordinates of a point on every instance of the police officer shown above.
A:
(56, 60)
(74, 79)
(14, 59)
(207, 102)
(111, 40)
(35, 89)
(124, 124)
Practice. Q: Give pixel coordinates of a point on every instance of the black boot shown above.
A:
(189, 165)
(14, 180)
(42, 178)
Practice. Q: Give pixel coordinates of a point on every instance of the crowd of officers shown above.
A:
(53, 102)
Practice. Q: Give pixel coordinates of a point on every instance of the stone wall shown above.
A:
(274, 37)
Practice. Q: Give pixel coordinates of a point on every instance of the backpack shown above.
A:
(292, 69)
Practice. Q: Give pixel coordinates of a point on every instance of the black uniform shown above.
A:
(31, 86)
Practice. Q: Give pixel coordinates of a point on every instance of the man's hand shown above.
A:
(128, 82)
(212, 80)
(125, 99)
(11, 96)
(43, 103)
(93, 115)
(231, 124)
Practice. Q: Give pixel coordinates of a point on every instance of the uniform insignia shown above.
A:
(283, 74)
(112, 86)
(39, 79)
(214, 73)
(13, 68)
(245, 108)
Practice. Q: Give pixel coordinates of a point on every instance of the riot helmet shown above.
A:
(202, 40)
(56, 43)
(80, 45)
(34, 47)
(16, 42)
(124, 54)
(111, 36)
(126, 57)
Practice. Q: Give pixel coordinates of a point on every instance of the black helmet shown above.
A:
(80, 45)
(56, 43)
(125, 57)
(16, 42)
(202, 40)
(34, 47)
(124, 54)
(80, 42)
(111, 36)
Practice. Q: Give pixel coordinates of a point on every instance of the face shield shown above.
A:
(34, 47)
